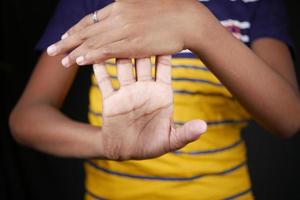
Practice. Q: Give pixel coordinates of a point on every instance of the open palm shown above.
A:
(137, 119)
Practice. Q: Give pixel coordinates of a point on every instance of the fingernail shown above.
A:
(80, 60)
(51, 50)
(65, 62)
(64, 36)
(203, 126)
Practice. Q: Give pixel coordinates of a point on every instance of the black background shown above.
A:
(29, 175)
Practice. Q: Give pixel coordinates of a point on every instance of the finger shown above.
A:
(92, 43)
(103, 80)
(78, 38)
(187, 133)
(87, 21)
(125, 72)
(143, 69)
(119, 49)
(163, 69)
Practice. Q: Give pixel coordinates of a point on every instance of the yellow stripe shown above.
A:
(172, 165)
(175, 61)
(209, 140)
(188, 62)
(188, 107)
(212, 187)
(177, 72)
(190, 86)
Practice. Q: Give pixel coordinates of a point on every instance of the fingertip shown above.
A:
(80, 60)
(52, 50)
(198, 127)
(201, 125)
(65, 62)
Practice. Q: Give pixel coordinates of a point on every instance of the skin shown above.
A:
(137, 118)
(261, 78)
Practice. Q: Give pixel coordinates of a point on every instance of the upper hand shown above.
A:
(132, 29)
(137, 119)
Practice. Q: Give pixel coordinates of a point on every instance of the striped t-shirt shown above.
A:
(213, 167)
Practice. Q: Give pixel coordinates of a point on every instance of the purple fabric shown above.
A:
(247, 19)
(270, 20)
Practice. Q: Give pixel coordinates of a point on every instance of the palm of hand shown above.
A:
(137, 119)
(144, 110)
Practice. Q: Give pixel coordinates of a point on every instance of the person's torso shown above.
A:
(213, 167)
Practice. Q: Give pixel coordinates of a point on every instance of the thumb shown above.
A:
(187, 133)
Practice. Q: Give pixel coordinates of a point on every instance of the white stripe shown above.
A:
(244, 38)
(185, 51)
(231, 22)
(250, 1)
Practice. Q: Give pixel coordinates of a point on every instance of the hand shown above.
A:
(133, 29)
(137, 119)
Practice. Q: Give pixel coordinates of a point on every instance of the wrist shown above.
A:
(107, 148)
(202, 28)
(97, 144)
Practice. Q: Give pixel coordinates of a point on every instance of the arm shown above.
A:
(262, 79)
(137, 122)
(37, 122)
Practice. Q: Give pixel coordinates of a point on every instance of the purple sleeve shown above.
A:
(270, 20)
(67, 13)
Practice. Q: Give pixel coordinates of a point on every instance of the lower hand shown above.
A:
(137, 119)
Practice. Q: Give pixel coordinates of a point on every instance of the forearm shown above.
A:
(44, 128)
(260, 89)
